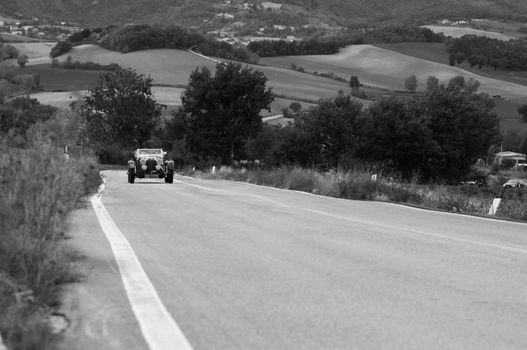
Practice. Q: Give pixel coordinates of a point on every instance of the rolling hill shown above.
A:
(170, 70)
(194, 13)
(173, 67)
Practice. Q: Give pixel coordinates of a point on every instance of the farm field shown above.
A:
(55, 79)
(8, 37)
(457, 32)
(389, 69)
(436, 52)
(502, 26)
(58, 99)
(170, 97)
(62, 99)
(164, 66)
(35, 50)
(374, 66)
(173, 67)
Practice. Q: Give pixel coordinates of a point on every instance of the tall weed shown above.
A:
(359, 184)
(39, 188)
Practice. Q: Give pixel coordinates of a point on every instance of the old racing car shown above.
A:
(150, 163)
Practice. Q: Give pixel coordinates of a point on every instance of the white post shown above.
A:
(214, 169)
(2, 346)
(494, 207)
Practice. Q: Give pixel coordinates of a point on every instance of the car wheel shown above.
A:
(131, 176)
(170, 176)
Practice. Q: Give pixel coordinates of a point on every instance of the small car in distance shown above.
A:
(515, 183)
(150, 163)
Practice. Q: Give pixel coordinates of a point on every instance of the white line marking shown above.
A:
(436, 235)
(398, 205)
(159, 329)
(197, 186)
(390, 227)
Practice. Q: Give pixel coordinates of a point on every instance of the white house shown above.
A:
(267, 5)
(519, 158)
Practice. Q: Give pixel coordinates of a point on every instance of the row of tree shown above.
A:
(482, 51)
(144, 37)
(439, 135)
(325, 46)
(268, 48)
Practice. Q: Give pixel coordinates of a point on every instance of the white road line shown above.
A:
(431, 234)
(378, 224)
(159, 329)
(399, 205)
(197, 186)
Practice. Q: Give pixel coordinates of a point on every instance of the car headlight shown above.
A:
(144, 167)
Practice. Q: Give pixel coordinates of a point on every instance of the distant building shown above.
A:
(517, 158)
(267, 5)
(226, 15)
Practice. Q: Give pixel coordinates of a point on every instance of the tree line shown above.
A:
(482, 51)
(437, 135)
(144, 37)
(328, 46)
(269, 48)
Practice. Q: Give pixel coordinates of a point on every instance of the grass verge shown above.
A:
(39, 188)
(358, 184)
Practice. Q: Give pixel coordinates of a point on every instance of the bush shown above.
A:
(22, 60)
(301, 180)
(60, 48)
(358, 184)
(28, 81)
(114, 154)
(39, 189)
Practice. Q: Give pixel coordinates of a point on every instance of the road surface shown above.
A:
(240, 266)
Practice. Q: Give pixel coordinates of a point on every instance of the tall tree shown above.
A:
(121, 109)
(354, 82)
(224, 109)
(334, 126)
(462, 124)
(410, 83)
(397, 136)
(431, 83)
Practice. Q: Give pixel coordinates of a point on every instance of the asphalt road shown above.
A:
(247, 267)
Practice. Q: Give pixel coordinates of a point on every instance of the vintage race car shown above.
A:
(150, 163)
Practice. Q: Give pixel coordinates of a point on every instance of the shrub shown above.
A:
(8, 51)
(357, 185)
(114, 154)
(39, 188)
(22, 60)
(301, 180)
(60, 48)
(28, 81)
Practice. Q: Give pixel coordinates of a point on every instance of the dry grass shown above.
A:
(39, 188)
(358, 184)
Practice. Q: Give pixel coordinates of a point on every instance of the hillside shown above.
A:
(315, 12)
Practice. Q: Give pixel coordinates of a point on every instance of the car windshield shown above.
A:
(150, 152)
